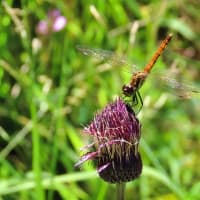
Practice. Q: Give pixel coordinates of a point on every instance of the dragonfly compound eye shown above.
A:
(127, 90)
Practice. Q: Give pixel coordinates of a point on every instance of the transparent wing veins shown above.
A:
(179, 86)
(104, 56)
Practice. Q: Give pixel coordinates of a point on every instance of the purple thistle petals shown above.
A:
(115, 122)
(100, 169)
(113, 142)
(116, 134)
(87, 146)
(86, 157)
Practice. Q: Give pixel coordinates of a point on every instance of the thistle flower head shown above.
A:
(116, 134)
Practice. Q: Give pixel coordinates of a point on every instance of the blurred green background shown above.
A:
(49, 91)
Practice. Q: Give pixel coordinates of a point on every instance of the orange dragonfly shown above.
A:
(185, 90)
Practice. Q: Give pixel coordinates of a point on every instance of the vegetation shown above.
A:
(49, 91)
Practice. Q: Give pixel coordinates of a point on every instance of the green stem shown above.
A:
(36, 156)
(120, 191)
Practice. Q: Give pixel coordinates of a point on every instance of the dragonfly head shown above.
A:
(128, 90)
(136, 82)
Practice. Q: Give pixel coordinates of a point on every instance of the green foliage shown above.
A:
(49, 91)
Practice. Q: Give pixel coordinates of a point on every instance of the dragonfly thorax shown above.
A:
(138, 79)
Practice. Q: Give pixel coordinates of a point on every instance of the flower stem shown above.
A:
(120, 191)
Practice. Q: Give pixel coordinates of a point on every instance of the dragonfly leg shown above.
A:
(139, 100)
(134, 99)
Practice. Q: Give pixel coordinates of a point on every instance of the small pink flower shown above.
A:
(54, 23)
(53, 13)
(59, 23)
(42, 27)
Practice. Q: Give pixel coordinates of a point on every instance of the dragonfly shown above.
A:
(131, 90)
(138, 78)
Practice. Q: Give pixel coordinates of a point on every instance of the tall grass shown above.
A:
(49, 91)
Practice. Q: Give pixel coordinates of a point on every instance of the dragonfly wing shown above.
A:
(104, 56)
(97, 53)
(181, 89)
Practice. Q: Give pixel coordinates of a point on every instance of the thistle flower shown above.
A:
(116, 134)
(55, 22)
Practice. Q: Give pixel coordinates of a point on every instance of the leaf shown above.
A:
(181, 27)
